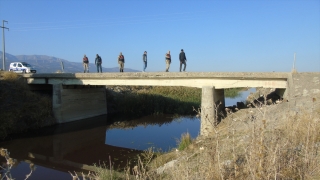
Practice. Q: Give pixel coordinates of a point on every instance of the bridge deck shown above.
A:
(191, 79)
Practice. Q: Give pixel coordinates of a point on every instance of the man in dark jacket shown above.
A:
(183, 59)
(144, 59)
(98, 62)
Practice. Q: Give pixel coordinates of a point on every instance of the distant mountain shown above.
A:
(49, 64)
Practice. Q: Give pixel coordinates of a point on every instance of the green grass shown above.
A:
(185, 141)
(160, 100)
(232, 92)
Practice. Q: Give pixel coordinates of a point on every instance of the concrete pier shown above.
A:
(212, 102)
(207, 111)
(72, 103)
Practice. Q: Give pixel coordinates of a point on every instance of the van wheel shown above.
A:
(10, 70)
(23, 71)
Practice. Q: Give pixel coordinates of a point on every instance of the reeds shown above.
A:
(105, 171)
(256, 148)
(6, 167)
(185, 141)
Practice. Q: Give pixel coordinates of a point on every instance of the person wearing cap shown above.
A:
(85, 62)
(144, 59)
(121, 61)
(98, 62)
(183, 59)
(168, 61)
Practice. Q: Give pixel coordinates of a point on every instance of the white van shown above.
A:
(21, 67)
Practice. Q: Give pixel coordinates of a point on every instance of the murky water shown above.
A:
(77, 146)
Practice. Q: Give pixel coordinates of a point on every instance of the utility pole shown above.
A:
(3, 46)
(294, 63)
(62, 66)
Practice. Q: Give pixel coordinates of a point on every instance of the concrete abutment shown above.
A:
(72, 103)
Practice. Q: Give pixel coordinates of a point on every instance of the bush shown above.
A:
(20, 109)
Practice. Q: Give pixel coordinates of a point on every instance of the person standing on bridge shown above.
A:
(98, 63)
(121, 62)
(85, 62)
(144, 59)
(168, 61)
(183, 59)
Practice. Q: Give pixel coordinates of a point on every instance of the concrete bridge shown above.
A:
(81, 95)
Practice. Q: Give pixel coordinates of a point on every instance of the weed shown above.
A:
(10, 163)
(184, 142)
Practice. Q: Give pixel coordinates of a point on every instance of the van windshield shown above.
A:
(26, 64)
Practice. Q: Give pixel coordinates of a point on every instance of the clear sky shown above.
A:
(216, 35)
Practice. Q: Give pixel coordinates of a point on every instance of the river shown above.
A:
(77, 146)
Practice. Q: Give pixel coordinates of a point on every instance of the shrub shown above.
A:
(20, 109)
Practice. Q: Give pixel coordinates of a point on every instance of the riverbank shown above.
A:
(276, 141)
(279, 140)
(21, 109)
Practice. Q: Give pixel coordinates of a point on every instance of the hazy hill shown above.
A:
(49, 64)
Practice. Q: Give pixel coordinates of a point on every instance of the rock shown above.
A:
(170, 164)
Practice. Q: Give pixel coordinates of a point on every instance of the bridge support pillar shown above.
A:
(212, 101)
(72, 103)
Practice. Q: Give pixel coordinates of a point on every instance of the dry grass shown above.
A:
(255, 149)
(249, 144)
(105, 171)
(9, 76)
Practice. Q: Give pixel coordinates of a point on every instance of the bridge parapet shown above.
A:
(220, 80)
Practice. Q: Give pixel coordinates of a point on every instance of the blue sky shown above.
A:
(217, 35)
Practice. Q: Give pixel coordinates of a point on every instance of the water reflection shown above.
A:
(241, 98)
(160, 132)
(76, 146)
